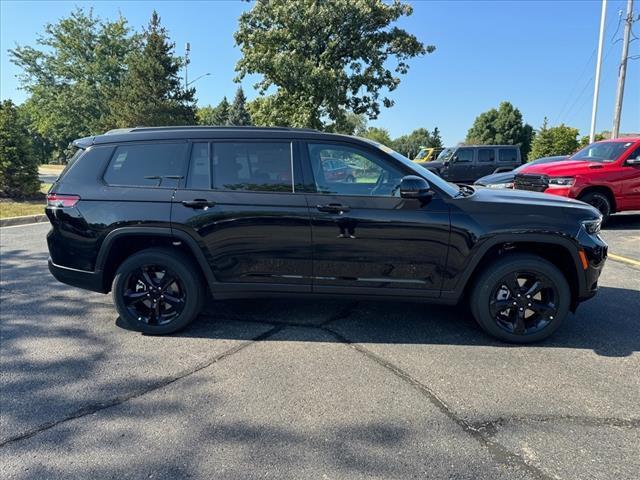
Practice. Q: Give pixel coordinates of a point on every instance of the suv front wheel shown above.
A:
(158, 291)
(521, 298)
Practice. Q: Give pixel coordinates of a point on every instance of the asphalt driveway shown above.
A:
(282, 389)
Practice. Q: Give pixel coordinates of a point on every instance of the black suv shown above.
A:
(467, 163)
(163, 217)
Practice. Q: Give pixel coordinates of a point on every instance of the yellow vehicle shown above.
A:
(426, 154)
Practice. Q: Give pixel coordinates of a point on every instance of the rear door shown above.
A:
(486, 162)
(630, 182)
(240, 203)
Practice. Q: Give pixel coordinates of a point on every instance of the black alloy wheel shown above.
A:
(154, 295)
(158, 291)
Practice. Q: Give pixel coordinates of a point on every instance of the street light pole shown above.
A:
(596, 87)
(622, 72)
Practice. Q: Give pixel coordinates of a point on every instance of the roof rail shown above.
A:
(205, 127)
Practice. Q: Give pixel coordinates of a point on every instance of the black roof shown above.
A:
(205, 132)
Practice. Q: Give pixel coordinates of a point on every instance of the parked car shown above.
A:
(505, 179)
(604, 174)
(465, 164)
(337, 170)
(166, 217)
(427, 154)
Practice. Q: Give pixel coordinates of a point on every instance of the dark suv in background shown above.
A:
(467, 163)
(165, 217)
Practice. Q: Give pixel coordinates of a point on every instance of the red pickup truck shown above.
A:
(604, 174)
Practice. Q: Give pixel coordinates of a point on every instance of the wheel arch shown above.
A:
(120, 243)
(600, 189)
(559, 251)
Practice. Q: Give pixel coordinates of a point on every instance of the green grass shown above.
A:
(18, 208)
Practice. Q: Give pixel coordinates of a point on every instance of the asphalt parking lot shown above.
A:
(335, 390)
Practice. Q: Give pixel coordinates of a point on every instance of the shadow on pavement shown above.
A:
(627, 221)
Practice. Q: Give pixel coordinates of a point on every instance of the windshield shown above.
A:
(602, 151)
(445, 155)
(421, 154)
(448, 188)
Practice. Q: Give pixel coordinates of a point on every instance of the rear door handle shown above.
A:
(198, 203)
(333, 208)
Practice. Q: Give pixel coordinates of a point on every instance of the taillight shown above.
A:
(59, 200)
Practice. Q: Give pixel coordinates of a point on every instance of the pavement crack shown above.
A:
(498, 451)
(118, 400)
(490, 428)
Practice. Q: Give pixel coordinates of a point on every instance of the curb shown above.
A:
(12, 221)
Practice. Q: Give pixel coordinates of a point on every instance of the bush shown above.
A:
(18, 164)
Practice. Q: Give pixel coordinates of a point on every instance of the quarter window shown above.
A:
(147, 165)
(486, 155)
(508, 155)
(345, 170)
(252, 166)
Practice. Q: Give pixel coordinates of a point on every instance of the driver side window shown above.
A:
(345, 170)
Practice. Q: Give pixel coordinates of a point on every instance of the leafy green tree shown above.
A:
(410, 145)
(324, 58)
(349, 124)
(501, 126)
(71, 75)
(218, 115)
(151, 93)
(584, 141)
(549, 141)
(380, 135)
(18, 164)
(238, 113)
(204, 115)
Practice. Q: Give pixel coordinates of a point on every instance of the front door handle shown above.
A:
(333, 208)
(198, 203)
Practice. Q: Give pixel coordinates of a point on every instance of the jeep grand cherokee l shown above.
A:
(165, 217)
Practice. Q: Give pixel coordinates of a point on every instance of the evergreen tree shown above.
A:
(549, 141)
(221, 113)
(151, 93)
(238, 114)
(436, 139)
(18, 164)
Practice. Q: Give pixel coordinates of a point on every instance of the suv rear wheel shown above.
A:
(521, 298)
(158, 291)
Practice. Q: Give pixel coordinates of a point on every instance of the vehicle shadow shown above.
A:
(607, 324)
(625, 221)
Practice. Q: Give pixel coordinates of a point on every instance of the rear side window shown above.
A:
(252, 166)
(508, 155)
(486, 155)
(147, 165)
(464, 155)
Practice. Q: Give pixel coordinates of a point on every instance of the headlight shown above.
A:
(592, 226)
(561, 182)
(500, 185)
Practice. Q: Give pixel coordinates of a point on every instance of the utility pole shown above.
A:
(622, 71)
(187, 50)
(596, 88)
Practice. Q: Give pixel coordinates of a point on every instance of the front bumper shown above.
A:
(595, 252)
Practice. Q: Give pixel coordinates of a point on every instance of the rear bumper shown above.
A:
(78, 278)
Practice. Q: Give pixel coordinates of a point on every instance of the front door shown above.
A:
(461, 166)
(366, 239)
(240, 204)
(630, 180)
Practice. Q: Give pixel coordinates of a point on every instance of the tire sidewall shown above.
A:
(180, 265)
(589, 196)
(488, 280)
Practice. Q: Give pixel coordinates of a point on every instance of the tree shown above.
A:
(18, 164)
(324, 58)
(584, 141)
(410, 145)
(72, 74)
(502, 126)
(151, 93)
(550, 141)
(380, 135)
(238, 113)
(218, 115)
(350, 124)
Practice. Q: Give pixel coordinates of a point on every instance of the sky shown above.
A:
(539, 55)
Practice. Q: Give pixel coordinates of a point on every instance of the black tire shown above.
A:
(134, 292)
(494, 288)
(600, 201)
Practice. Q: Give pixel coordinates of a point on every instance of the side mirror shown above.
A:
(633, 161)
(415, 187)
